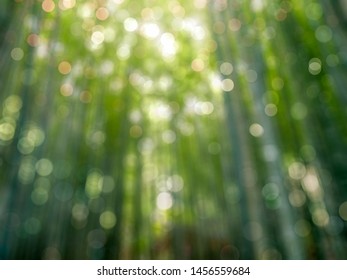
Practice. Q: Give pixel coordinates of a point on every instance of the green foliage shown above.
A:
(151, 130)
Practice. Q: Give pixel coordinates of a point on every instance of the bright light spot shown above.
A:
(320, 217)
(227, 85)
(297, 198)
(175, 183)
(146, 146)
(102, 13)
(312, 186)
(165, 82)
(25, 146)
(200, 4)
(123, 52)
(66, 89)
(97, 38)
(94, 184)
(107, 220)
(33, 40)
(160, 111)
(257, 5)
(203, 108)
(150, 30)
(168, 45)
(315, 66)
(226, 68)
(297, 170)
(198, 65)
(44, 167)
(66, 4)
(130, 24)
(12, 104)
(64, 67)
(7, 130)
(164, 201)
(107, 67)
(256, 130)
(271, 110)
(194, 28)
(48, 6)
(17, 54)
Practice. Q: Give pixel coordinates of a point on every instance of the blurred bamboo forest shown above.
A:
(173, 129)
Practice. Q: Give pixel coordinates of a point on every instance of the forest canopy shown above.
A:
(173, 129)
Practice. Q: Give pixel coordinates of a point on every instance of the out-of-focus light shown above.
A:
(203, 108)
(44, 167)
(17, 54)
(234, 24)
(227, 85)
(257, 5)
(271, 110)
(297, 198)
(48, 6)
(93, 187)
(315, 66)
(297, 170)
(164, 201)
(97, 37)
(66, 4)
(256, 130)
(198, 65)
(33, 40)
(7, 130)
(131, 24)
(168, 45)
(314, 11)
(107, 220)
(251, 75)
(226, 68)
(323, 34)
(64, 67)
(298, 111)
(66, 89)
(150, 30)
(102, 13)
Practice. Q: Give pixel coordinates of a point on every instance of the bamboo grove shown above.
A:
(173, 129)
